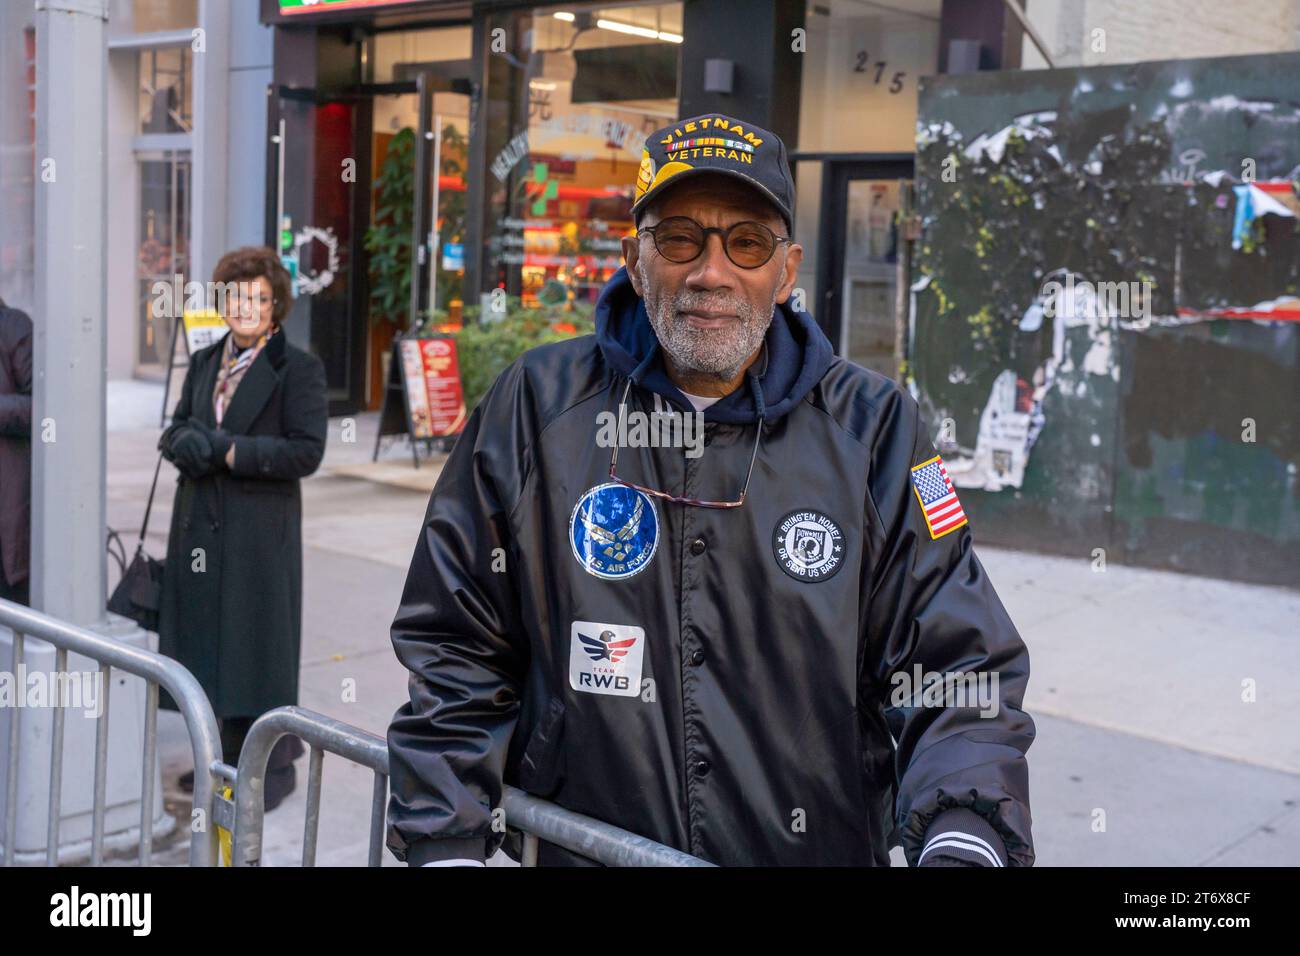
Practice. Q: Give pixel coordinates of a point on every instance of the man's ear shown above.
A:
(789, 272)
(632, 253)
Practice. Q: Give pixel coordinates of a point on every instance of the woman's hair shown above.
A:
(253, 262)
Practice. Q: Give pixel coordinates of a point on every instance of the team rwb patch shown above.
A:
(606, 658)
(938, 498)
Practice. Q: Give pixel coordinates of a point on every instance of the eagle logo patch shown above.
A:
(606, 658)
(614, 531)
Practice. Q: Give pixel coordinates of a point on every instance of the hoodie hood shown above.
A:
(798, 355)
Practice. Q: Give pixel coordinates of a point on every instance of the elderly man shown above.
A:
(779, 650)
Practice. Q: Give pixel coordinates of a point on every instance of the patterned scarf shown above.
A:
(232, 371)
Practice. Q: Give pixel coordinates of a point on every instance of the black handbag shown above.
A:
(138, 595)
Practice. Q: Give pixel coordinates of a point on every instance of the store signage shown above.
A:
(295, 7)
(453, 256)
(202, 328)
(435, 402)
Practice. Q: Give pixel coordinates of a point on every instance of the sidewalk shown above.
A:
(1136, 687)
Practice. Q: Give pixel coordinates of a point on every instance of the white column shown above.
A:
(70, 344)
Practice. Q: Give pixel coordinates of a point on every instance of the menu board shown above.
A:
(435, 401)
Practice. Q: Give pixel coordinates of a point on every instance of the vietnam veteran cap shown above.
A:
(713, 143)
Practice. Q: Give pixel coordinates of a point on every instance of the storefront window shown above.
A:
(152, 16)
(569, 110)
(165, 90)
(442, 56)
(164, 249)
(398, 54)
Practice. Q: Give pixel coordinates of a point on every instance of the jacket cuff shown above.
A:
(962, 834)
(449, 848)
(221, 442)
(245, 457)
(459, 861)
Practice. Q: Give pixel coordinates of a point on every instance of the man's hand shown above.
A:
(230, 456)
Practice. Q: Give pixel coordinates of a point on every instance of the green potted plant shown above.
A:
(388, 243)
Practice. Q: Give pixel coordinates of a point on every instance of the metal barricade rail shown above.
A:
(157, 671)
(537, 819)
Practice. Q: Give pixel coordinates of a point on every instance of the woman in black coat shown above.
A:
(251, 422)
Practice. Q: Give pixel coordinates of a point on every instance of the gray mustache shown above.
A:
(689, 304)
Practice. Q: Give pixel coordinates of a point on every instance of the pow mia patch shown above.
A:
(808, 546)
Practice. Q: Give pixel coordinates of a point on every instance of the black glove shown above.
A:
(191, 452)
(220, 442)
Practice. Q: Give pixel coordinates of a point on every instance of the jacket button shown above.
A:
(702, 768)
(698, 546)
(216, 525)
(697, 658)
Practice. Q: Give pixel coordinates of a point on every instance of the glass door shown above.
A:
(868, 329)
(163, 250)
(351, 207)
(439, 268)
(318, 194)
(863, 263)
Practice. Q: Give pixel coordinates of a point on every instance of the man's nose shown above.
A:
(712, 269)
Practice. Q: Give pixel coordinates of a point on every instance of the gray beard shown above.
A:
(716, 352)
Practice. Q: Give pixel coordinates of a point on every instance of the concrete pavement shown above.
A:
(1167, 706)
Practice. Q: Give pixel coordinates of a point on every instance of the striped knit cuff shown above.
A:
(962, 834)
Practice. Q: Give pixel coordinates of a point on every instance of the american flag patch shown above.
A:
(938, 499)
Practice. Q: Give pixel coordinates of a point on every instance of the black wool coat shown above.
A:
(15, 443)
(232, 589)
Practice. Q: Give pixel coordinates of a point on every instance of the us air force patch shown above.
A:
(606, 658)
(808, 545)
(614, 531)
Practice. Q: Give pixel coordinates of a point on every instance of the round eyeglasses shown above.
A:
(681, 239)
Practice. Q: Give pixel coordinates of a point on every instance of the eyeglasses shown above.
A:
(665, 496)
(240, 305)
(681, 239)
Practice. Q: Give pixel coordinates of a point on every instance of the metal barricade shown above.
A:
(157, 671)
(537, 819)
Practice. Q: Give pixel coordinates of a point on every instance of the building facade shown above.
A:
(537, 114)
(296, 123)
(184, 185)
